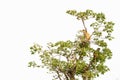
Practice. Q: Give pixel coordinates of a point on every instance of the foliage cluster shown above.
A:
(68, 59)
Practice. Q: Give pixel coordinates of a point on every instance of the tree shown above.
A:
(85, 57)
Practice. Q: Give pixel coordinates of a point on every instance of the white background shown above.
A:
(24, 22)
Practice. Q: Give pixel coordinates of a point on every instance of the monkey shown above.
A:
(96, 54)
(85, 32)
(86, 35)
(85, 39)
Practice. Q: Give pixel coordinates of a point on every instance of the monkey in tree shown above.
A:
(86, 35)
(85, 38)
(96, 54)
(85, 32)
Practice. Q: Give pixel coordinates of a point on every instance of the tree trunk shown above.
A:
(71, 75)
(86, 78)
(72, 78)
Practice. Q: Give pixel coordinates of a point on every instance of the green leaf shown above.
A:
(71, 12)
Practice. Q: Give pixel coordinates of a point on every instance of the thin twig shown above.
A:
(84, 24)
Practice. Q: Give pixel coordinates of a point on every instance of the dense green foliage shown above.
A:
(82, 58)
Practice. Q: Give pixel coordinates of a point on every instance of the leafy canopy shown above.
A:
(80, 57)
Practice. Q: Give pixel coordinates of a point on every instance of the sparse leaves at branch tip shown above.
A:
(63, 44)
(102, 68)
(101, 43)
(72, 12)
(100, 17)
(107, 52)
(82, 15)
(32, 64)
(35, 48)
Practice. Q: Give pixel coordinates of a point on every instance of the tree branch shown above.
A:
(66, 76)
(58, 75)
(84, 24)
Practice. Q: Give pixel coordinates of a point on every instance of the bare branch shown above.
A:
(84, 24)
